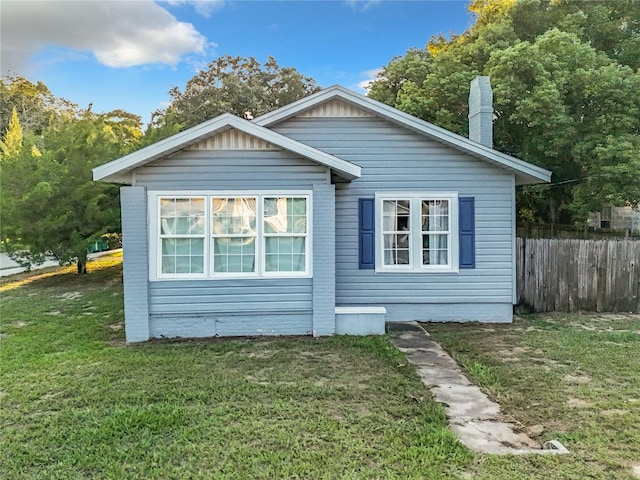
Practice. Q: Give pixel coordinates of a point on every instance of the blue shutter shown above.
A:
(366, 224)
(467, 232)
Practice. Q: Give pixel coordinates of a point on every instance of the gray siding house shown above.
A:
(329, 215)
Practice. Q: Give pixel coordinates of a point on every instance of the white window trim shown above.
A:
(415, 264)
(210, 237)
(159, 237)
(155, 260)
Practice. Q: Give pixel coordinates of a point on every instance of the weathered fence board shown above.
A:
(571, 275)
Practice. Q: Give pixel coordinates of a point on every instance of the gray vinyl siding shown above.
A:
(256, 306)
(395, 159)
(133, 201)
(324, 252)
(231, 170)
(204, 308)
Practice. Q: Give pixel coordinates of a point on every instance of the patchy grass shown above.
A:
(78, 403)
(575, 378)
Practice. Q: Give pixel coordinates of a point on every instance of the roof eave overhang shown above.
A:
(525, 173)
(119, 170)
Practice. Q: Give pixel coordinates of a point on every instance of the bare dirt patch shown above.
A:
(579, 379)
(535, 430)
(18, 324)
(261, 354)
(613, 411)
(70, 295)
(515, 354)
(578, 403)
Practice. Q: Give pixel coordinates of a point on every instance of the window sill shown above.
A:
(414, 271)
(229, 277)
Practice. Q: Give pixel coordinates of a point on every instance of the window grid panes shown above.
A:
(416, 232)
(182, 235)
(233, 231)
(396, 232)
(235, 235)
(285, 232)
(435, 232)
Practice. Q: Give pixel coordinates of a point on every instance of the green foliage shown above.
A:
(565, 84)
(34, 103)
(49, 205)
(12, 143)
(237, 85)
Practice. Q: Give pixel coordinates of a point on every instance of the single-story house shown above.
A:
(329, 215)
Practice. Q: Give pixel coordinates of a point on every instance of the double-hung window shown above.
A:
(285, 234)
(417, 232)
(182, 235)
(232, 235)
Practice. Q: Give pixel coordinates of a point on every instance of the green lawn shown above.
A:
(570, 377)
(77, 402)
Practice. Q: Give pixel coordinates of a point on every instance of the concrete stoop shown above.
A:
(471, 414)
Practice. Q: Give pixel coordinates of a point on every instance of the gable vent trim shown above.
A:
(336, 109)
(233, 140)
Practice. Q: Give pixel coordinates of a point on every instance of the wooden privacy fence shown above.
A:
(570, 275)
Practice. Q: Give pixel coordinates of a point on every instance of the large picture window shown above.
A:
(231, 235)
(417, 232)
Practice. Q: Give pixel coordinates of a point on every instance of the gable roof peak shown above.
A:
(525, 173)
(118, 169)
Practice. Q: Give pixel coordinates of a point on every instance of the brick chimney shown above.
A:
(481, 111)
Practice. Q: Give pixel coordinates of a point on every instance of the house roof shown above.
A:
(117, 170)
(525, 173)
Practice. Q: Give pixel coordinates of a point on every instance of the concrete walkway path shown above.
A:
(472, 416)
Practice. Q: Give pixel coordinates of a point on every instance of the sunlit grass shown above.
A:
(18, 280)
(78, 402)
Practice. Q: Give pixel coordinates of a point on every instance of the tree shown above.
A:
(33, 102)
(12, 143)
(236, 85)
(49, 203)
(565, 77)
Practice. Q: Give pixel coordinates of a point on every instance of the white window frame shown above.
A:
(155, 252)
(264, 235)
(212, 236)
(161, 236)
(415, 239)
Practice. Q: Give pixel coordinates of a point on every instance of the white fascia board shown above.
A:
(305, 103)
(116, 169)
(526, 173)
(176, 142)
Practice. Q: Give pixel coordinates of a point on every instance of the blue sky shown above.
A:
(128, 54)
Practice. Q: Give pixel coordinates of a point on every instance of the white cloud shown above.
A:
(361, 5)
(117, 33)
(202, 7)
(369, 76)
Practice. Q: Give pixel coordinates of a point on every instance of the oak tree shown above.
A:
(565, 78)
(242, 86)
